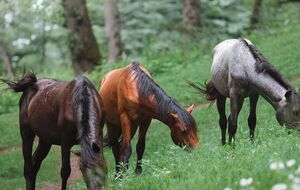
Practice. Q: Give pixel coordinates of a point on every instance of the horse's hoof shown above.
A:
(138, 170)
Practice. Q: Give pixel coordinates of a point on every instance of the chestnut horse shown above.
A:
(65, 114)
(130, 100)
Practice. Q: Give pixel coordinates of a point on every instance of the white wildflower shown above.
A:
(246, 182)
(290, 163)
(8, 18)
(291, 176)
(296, 180)
(298, 170)
(276, 166)
(21, 42)
(33, 37)
(227, 188)
(38, 5)
(295, 186)
(47, 28)
(280, 186)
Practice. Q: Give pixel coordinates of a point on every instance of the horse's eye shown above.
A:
(296, 113)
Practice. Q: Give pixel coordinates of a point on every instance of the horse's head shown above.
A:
(288, 112)
(184, 133)
(93, 167)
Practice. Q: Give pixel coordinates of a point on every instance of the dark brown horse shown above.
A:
(130, 100)
(65, 114)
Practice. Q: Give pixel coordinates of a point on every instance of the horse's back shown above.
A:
(45, 108)
(109, 93)
(118, 92)
(231, 61)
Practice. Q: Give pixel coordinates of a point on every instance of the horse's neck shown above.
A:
(152, 109)
(269, 88)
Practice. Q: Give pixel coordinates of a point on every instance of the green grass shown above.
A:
(166, 166)
(9, 125)
(11, 173)
(214, 166)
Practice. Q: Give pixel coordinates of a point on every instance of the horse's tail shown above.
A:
(207, 89)
(89, 119)
(28, 80)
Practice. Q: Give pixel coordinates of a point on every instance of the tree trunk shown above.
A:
(191, 15)
(113, 30)
(7, 61)
(255, 13)
(83, 45)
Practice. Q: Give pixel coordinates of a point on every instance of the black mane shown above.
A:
(263, 66)
(164, 103)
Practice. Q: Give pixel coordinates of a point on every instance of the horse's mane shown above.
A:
(165, 104)
(87, 122)
(263, 66)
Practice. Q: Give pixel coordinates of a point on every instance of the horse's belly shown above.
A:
(47, 135)
(220, 81)
(48, 130)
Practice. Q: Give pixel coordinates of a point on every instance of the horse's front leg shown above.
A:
(125, 149)
(140, 146)
(236, 103)
(113, 135)
(252, 115)
(65, 166)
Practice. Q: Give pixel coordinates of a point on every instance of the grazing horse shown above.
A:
(239, 70)
(61, 113)
(130, 100)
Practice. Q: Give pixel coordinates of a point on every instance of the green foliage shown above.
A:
(141, 20)
(34, 34)
(224, 18)
(8, 101)
(158, 24)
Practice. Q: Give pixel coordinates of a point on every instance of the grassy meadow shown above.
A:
(273, 158)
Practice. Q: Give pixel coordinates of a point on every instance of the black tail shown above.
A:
(208, 89)
(21, 85)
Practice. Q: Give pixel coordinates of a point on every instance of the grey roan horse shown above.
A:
(238, 71)
(61, 113)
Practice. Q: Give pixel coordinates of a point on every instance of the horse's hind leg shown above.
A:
(221, 100)
(40, 153)
(252, 115)
(27, 140)
(140, 146)
(65, 166)
(236, 103)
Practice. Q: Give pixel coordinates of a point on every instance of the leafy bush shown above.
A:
(8, 102)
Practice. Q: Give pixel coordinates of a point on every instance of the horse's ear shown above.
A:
(288, 94)
(190, 109)
(174, 117)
